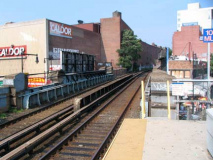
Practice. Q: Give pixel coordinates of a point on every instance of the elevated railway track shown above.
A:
(94, 121)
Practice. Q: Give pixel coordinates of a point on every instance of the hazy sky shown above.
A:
(151, 20)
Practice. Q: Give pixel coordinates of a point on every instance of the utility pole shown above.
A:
(208, 74)
(208, 38)
(167, 60)
(168, 100)
(22, 64)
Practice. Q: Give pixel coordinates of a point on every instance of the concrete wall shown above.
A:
(33, 35)
(162, 98)
(158, 97)
(162, 112)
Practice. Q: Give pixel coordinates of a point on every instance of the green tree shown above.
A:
(130, 47)
(170, 52)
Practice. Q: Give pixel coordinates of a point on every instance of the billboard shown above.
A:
(182, 88)
(12, 51)
(56, 52)
(36, 81)
(59, 29)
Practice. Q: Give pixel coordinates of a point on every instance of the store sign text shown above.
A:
(12, 51)
(61, 30)
(56, 52)
(36, 81)
(208, 35)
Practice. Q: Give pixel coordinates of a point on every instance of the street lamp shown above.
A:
(50, 59)
(22, 53)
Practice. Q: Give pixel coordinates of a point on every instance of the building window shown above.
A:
(187, 74)
(177, 74)
(181, 74)
(178, 19)
(201, 29)
(173, 73)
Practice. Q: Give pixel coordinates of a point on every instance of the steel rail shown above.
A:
(104, 143)
(51, 104)
(5, 143)
(75, 132)
(31, 144)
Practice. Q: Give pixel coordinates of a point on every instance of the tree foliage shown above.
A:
(130, 47)
(170, 52)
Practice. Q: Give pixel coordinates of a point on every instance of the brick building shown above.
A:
(187, 41)
(152, 55)
(47, 38)
(181, 69)
(111, 30)
(111, 33)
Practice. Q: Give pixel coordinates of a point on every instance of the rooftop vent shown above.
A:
(116, 14)
(80, 22)
(9, 22)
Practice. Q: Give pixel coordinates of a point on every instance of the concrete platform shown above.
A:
(129, 141)
(164, 140)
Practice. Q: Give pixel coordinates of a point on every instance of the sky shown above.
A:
(151, 20)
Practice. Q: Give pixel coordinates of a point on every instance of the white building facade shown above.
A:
(195, 15)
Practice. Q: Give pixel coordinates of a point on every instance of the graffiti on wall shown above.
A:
(159, 86)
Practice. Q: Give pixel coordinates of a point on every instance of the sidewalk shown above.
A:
(175, 140)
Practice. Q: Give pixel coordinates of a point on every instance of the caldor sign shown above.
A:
(14, 51)
(59, 29)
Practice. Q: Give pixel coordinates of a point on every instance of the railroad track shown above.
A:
(15, 134)
(28, 126)
(97, 130)
(27, 133)
(90, 139)
(69, 120)
(18, 124)
(51, 105)
(134, 110)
